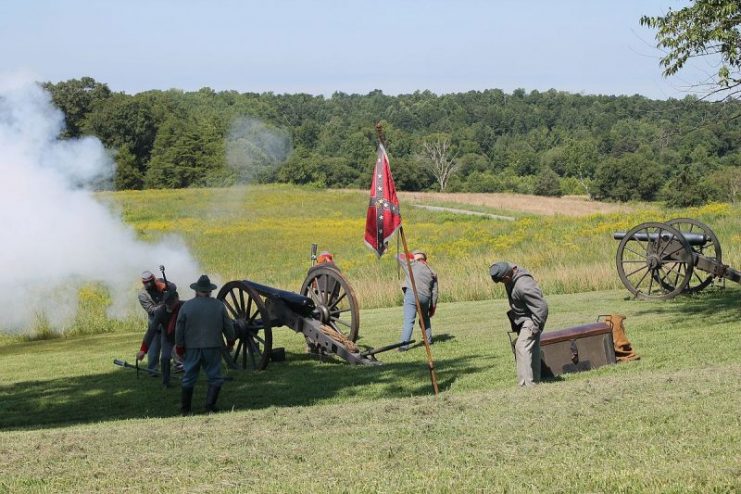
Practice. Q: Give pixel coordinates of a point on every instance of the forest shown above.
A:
(616, 148)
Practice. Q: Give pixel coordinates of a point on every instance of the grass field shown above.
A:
(670, 422)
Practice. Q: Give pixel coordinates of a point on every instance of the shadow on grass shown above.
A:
(715, 306)
(298, 381)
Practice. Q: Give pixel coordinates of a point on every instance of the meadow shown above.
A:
(72, 422)
(265, 234)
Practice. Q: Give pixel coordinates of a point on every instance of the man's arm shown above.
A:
(532, 296)
(147, 303)
(227, 327)
(180, 327)
(434, 288)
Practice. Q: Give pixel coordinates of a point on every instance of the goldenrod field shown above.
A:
(264, 233)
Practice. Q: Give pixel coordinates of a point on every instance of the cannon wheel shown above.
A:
(334, 298)
(658, 268)
(711, 250)
(251, 324)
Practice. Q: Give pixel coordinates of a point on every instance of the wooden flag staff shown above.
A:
(407, 257)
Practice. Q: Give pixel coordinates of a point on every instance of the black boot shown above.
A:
(211, 396)
(166, 373)
(186, 397)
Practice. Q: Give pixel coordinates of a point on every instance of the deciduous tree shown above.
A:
(438, 157)
(705, 28)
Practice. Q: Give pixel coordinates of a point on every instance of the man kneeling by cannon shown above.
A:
(198, 338)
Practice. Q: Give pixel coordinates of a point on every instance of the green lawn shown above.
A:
(669, 422)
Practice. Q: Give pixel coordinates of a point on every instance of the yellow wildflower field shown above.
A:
(264, 233)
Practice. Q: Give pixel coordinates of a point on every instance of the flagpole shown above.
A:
(428, 350)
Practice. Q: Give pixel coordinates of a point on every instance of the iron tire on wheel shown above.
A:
(251, 324)
(710, 250)
(335, 300)
(658, 267)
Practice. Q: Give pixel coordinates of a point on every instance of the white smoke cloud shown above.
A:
(254, 149)
(56, 236)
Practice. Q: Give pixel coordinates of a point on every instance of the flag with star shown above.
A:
(384, 216)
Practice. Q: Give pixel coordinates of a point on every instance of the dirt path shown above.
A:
(569, 205)
(465, 211)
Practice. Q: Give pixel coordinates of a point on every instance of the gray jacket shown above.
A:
(201, 322)
(150, 301)
(424, 278)
(526, 300)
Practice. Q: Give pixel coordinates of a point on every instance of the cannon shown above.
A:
(325, 311)
(658, 261)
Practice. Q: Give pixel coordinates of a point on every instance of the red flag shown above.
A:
(384, 216)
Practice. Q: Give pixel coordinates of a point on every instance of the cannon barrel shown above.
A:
(692, 238)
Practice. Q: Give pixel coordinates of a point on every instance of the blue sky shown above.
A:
(323, 46)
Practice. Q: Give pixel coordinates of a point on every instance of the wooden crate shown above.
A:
(576, 349)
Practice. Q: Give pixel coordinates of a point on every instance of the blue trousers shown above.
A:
(410, 315)
(209, 359)
(160, 344)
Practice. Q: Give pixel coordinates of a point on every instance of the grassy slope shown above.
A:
(668, 422)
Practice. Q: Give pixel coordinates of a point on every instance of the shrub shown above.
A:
(547, 183)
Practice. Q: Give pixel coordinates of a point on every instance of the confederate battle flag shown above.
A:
(384, 216)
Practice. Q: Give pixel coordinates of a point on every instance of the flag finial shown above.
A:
(379, 134)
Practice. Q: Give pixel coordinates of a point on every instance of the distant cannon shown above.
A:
(326, 312)
(657, 261)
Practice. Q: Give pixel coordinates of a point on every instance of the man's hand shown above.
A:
(140, 355)
(431, 312)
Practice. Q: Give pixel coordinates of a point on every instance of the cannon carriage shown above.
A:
(658, 261)
(325, 311)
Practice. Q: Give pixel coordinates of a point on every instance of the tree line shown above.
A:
(619, 148)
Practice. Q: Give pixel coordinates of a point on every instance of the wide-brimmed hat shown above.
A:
(499, 270)
(203, 284)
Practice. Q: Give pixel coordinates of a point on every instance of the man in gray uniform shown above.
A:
(199, 328)
(425, 279)
(527, 315)
(151, 298)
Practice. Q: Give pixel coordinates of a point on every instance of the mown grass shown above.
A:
(669, 422)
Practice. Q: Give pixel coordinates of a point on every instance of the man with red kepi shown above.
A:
(198, 337)
(151, 298)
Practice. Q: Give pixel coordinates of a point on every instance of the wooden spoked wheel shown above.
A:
(654, 261)
(710, 249)
(251, 325)
(335, 300)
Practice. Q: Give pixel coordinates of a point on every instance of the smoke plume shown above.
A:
(56, 236)
(254, 149)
